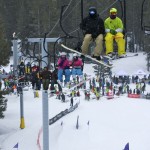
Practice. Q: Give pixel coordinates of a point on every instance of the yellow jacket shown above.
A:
(115, 24)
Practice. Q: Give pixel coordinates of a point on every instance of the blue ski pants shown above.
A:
(77, 72)
(65, 72)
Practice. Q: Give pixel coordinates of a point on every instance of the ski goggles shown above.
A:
(92, 12)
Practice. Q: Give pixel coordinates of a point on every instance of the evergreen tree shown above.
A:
(3, 105)
(4, 46)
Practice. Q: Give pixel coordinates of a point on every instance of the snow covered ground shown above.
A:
(112, 123)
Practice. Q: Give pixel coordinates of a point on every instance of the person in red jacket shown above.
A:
(77, 67)
(63, 68)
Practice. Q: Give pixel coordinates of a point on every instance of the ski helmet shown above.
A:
(62, 54)
(113, 13)
(75, 55)
(113, 10)
(92, 12)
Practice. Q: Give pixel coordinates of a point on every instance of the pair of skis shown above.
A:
(114, 57)
(87, 56)
(74, 86)
(106, 60)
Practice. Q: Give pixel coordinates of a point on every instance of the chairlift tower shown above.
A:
(44, 46)
(15, 55)
(45, 109)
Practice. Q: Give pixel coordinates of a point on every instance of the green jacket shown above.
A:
(113, 24)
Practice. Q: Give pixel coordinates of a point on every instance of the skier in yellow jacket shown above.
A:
(114, 29)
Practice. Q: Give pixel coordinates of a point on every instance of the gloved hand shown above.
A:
(67, 67)
(61, 63)
(94, 35)
(113, 32)
(82, 57)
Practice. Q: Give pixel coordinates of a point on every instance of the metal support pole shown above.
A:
(82, 11)
(22, 123)
(142, 27)
(45, 120)
(15, 56)
(124, 9)
(45, 59)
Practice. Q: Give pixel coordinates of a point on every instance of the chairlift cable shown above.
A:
(70, 12)
(74, 31)
(59, 18)
(142, 9)
(108, 7)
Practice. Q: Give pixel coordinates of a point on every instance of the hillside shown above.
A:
(103, 124)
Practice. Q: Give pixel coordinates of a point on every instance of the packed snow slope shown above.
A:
(103, 124)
